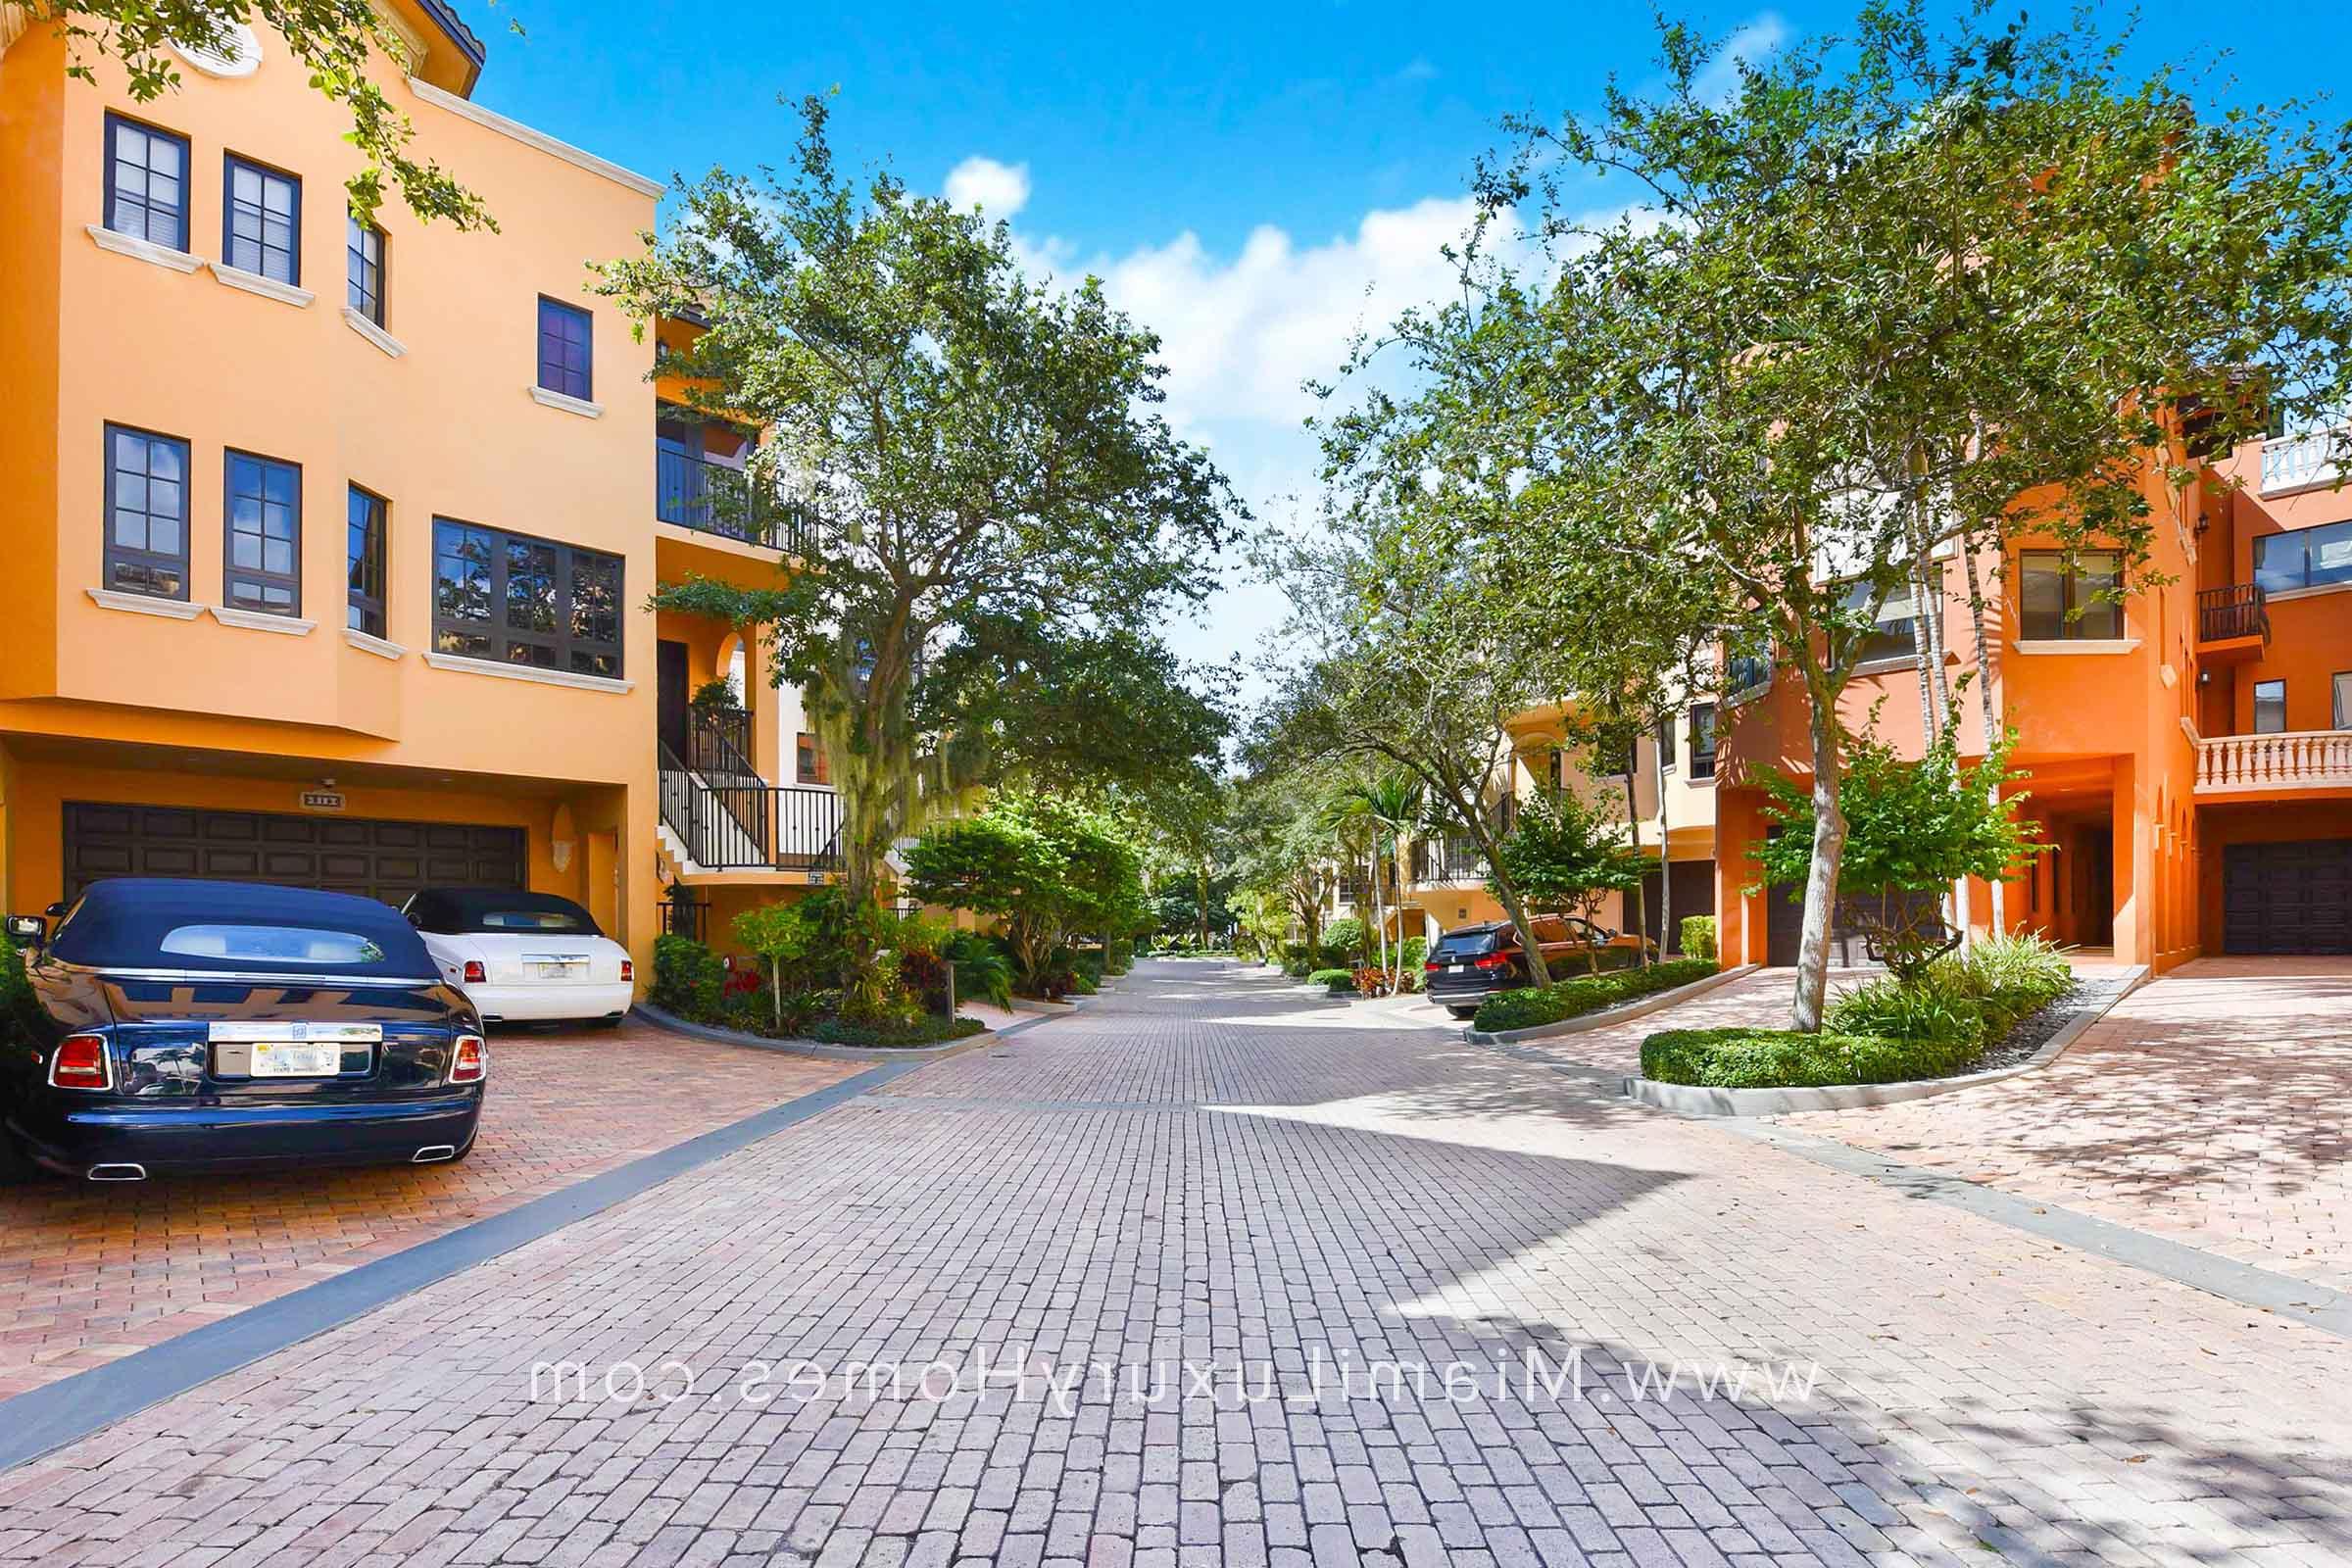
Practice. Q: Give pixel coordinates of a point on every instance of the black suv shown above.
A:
(1471, 962)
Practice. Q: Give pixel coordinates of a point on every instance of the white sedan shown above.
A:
(524, 956)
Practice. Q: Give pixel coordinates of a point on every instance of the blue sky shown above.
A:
(1252, 180)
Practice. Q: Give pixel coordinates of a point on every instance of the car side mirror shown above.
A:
(27, 930)
(57, 910)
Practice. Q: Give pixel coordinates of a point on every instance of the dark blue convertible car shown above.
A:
(204, 1026)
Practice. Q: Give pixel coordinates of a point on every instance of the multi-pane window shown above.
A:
(810, 760)
(263, 538)
(1666, 745)
(2343, 699)
(2270, 707)
(2058, 601)
(1745, 673)
(2305, 557)
(564, 359)
(1893, 633)
(363, 561)
(1702, 741)
(261, 221)
(363, 252)
(522, 601)
(146, 514)
(146, 182)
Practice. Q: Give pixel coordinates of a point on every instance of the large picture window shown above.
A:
(364, 560)
(261, 221)
(146, 513)
(567, 362)
(146, 184)
(515, 600)
(263, 544)
(2305, 557)
(1893, 633)
(2057, 602)
(364, 255)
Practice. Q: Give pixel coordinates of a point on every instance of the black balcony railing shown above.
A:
(2241, 610)
(716, 498)
(719, 743)
(740, 826)
(1447, 859)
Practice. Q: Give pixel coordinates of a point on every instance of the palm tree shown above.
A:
(1390, 804)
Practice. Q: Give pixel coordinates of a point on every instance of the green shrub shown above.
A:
(1332, 978)
(1775, 1058)
(1526, 1008)
(1344, 941)
(1920, 1009)
(687, 978)
(929, 1029)
(981, 969)
(1412, 953)
(1121, 958)
(1299, 969)
(1698, 936)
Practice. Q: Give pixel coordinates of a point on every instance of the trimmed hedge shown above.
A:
(934, 1030)
(1782, 1059)
(688, 977)
(1333, 977)
(1571, 999)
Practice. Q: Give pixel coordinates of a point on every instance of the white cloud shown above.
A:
(999, 189)
(1747, 45)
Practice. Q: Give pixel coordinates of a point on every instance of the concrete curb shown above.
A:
(819, 1049)
(1585, 1022)
(1694, 1100)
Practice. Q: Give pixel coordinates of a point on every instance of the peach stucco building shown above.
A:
(329, 547)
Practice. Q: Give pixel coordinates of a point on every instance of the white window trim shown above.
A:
(568, 403)
(269, 288)
(393, 347)
(144, 250)
(2288, 596)
(369, 643)
(261, 620)
(2076, 645)
(545, 678)
(147, 604)
(1887, 667)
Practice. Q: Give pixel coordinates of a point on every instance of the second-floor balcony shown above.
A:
(1447, 859)
(2263, 765)
(718, 498)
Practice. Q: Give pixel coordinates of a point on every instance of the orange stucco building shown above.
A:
(2187, 754)
(328, 546)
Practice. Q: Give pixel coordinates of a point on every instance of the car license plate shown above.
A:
(556, 970)
(290, 1059)
(1458, 968)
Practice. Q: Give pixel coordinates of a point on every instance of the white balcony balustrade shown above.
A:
(2296, 760)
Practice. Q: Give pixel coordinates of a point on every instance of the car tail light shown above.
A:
(1433, 967)
(628, 968)
(469, 1063)
(475, 974)
(81, 1063)
(1494, 960)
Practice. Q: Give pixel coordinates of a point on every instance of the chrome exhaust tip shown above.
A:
(434, 1153)
(118, 1173)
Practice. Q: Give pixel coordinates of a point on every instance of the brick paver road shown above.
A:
(1208, 1169)
(2213, 1107)
(92, 1272)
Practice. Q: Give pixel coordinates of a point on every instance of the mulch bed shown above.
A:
(2035, 1029)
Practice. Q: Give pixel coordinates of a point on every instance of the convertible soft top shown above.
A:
(176, 923)
(458, 911)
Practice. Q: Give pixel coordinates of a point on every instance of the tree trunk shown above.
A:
(1992, 728)
(1379, 914)
(1507, 890)
(1200, 901)
(1666, 931)
(1821, 876)
(1641, 890)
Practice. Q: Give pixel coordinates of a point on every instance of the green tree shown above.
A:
(332, 39)
(1386, 805)
(1048, 868)
(1564, 855)
(996, 487)
(778, 933)
(1896, 292)
(1911, 828)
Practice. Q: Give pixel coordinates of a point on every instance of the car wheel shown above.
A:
(1464, 1012)
(607, 1023)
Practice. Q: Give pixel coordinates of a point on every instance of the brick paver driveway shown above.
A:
(1200, 1169)
(92, 1272)
(2213, 1107)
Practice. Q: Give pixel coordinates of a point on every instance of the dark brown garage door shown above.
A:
(1785, 927)
(1693, 894)
(387, 861)
(2287, 897)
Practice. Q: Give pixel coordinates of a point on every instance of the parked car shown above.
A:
(524, 956)
(1471, 962)
(217, 1026)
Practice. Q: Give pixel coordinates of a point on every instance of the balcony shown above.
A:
(2302, 461)
(727, 817)
(1448, 862)
(717, 498)
(2260, 764)
(2233, 623)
